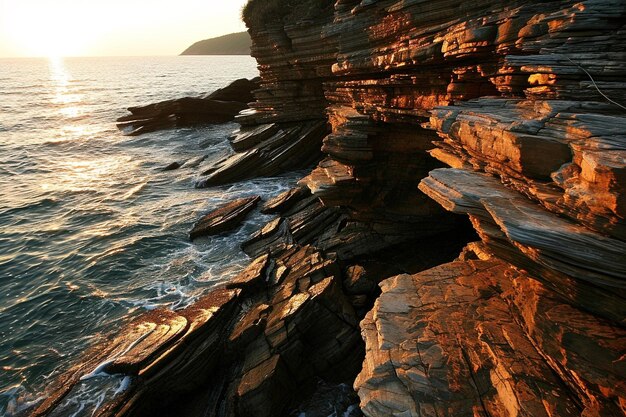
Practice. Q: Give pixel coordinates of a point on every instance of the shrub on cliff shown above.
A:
(259, 13)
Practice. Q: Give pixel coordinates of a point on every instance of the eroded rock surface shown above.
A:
(292, 146)
(284, 128)
(254, 348)
(568, 156)
(583, 266)
(480, 337)
(382, 95)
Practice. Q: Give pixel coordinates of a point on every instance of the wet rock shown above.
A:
(154, 345)
(240, 90)
(194, 162)
(286, 200)
(146, 338)
(293, 146)
(224, 217)
(218, 107)
(257, 348)
(173, 166)
(179, 112)
(247, 137)
(306, 222)
(253, 276)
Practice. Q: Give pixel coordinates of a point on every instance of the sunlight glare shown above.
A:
(69, 103)
(70, 28)
(51, 30)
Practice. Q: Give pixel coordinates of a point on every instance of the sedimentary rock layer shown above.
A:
(265, 151)
(522, 100)
(224, 217)
(254, 347)
(479, 337)
(539, 170)
(569, 156)
(218, 107)
(583, 266)
(284, 127)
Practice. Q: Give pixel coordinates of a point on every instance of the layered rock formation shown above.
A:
(255, 347)
(521, 100)
(284, 127)
(480, 337)
(219, 106)
(538, 328)
(224, 218)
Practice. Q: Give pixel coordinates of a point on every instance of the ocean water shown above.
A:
(92, 231)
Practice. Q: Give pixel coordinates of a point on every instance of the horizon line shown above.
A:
(115, 56)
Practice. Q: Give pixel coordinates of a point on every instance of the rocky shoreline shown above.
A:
(459, 248)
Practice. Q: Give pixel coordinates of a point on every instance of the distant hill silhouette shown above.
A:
(233, 44)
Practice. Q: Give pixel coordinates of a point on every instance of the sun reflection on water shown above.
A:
(86, 175)
(68, 102)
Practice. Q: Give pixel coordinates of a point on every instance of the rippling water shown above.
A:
(92, 231)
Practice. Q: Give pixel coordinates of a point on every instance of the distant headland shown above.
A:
(232, 44)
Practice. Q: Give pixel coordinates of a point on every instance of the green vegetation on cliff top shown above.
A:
(232, 44)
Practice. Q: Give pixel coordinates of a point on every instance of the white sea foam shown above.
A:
(99, 370)
(124, 384)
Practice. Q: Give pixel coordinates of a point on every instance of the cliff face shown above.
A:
(521, 101)
(477, 127)
(286, 123)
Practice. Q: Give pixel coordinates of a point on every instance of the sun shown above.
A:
(50, 29)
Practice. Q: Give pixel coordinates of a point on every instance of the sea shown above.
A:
(93, 231)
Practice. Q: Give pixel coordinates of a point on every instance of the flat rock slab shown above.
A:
(218, 107)
(290, 147)
(247, 137)
(144, 340)
(569, 156)
(590, 266)
(224, 217)
(286, 200)
(253, 275)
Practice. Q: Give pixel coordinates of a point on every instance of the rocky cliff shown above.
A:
(525, 104)
(471, 159)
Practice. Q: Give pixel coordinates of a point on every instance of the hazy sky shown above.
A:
(112, 27)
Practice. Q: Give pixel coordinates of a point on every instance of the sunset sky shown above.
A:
(31, 28)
